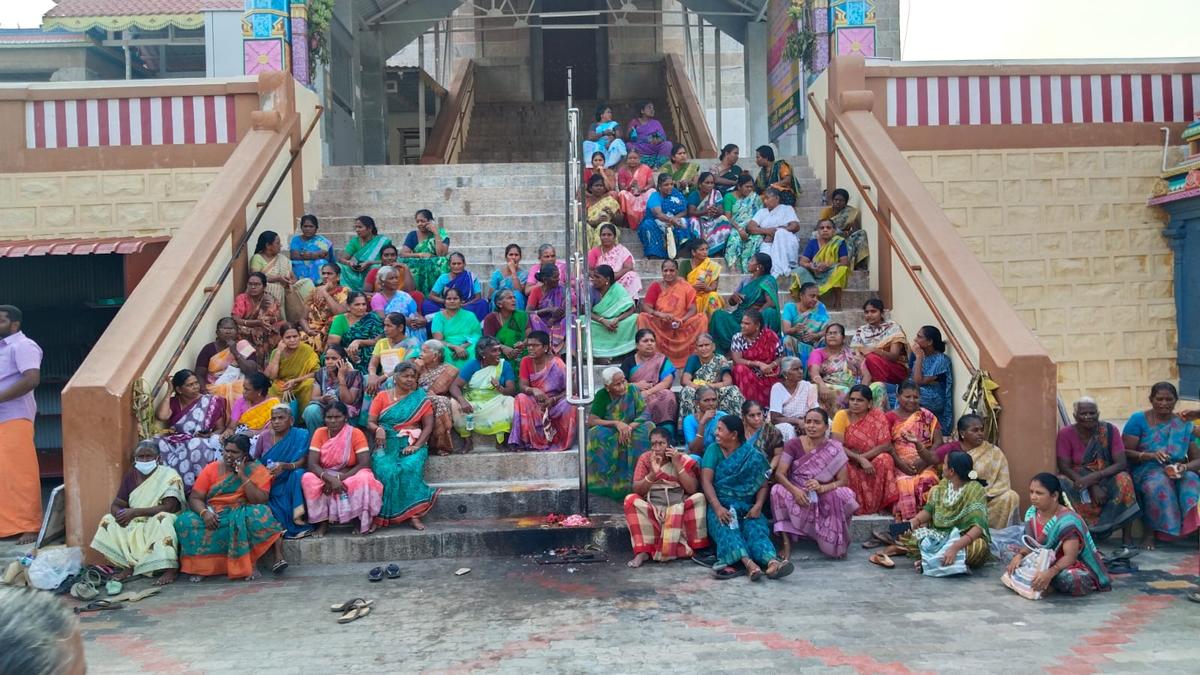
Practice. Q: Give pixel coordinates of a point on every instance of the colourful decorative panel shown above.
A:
(856, 40)
(102, 123)
(852, 13)
(299, 41)
(265, 55)
(1041, 99)
(820, 26)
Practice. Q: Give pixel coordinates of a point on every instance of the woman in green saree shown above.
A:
(401, 420)
(760, 292)
(1077, 569)
(740, 205)
(357, 330)
(682, 170)
(618, 433)
(426, 250)
(957, 503)
(614, 319)
(362, 253)
(508, 325)
(458, 328)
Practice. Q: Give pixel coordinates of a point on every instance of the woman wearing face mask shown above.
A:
(137, 535)
(229, 525)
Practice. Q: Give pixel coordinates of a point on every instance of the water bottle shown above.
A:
(733, 519)
(470, 421)
(812, 496)
(1085, 496)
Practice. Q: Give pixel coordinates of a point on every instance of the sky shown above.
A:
(933, 30)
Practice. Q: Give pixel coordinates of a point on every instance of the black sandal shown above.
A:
(727, 572)
(393, 571)
(279, 567)
(785, 568)
(376, 574)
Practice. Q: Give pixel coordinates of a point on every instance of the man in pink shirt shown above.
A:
(20, 486)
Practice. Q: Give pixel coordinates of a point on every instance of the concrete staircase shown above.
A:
(494, 503)
(536, 132)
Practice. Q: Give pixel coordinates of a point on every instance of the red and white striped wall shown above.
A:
(1041, 99)
(96, 123)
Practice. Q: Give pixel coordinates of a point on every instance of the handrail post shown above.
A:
(581, 385)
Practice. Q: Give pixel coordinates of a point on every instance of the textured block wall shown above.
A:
(98, 203)
(1067, 235)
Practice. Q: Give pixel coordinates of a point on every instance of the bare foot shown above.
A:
(638, 560)
(417, 524)
(773, 567)
(167, 577)
(1148, 542)
(27, 538)
(122, 575)
(322, 528)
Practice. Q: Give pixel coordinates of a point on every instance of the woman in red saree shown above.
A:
(755, 352)
(542, 418)
(882, 344)
(867, 437)
(915, 433)
(669, 310)
(635, 184)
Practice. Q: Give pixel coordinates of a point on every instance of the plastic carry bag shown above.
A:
(53, 566)
(932, 550)
(1021, 581)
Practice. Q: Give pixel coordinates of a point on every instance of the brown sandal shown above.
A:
(883, 560)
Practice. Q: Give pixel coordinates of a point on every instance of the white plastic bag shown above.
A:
(932, 550)
(52, 566)
(1021, 581)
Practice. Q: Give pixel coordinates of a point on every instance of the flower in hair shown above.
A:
(973, 475)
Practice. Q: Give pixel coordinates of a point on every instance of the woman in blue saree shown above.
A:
(510, 277)
(362, 253)
(1077, 569)
(1162, 448)
(283, 450)
(309, 251)
(734, 476)
(460, 279)
(401, 421)
(665, 227)
(604, 137)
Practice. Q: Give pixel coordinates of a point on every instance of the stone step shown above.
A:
(363, 191)
(409, 170)
(422, 184)
(473, 500)
(485, 464)
(389, 205)
(508, 155)
(458, 539)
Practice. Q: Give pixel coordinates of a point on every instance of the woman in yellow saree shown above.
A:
(223, 363)
(705, 277)
(602, 207)
(991, 465)
(292, 366)
(251, 413)
(825, 262)
(848, 222)
(137, 535)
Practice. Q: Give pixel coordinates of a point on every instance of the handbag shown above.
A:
(932, 550)
(1039, 560)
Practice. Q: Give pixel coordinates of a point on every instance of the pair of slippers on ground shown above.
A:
(392, 571)
(730, 571)
(352, 610)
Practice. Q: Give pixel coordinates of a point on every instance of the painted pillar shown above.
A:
(266, 36)
(301, 63)
(1183, 235)
(819, 21)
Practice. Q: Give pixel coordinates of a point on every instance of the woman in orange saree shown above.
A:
(867, 437)
(669, 310)
(230, 526)
(635, 184)
(915, 432)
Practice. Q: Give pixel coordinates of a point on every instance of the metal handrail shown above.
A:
(581, 378)
(863, 190)
(211, 292)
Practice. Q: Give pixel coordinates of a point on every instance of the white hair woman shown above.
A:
(620, 432)
(1094, 471)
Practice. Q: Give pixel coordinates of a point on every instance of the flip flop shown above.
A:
(785, 568)
(883, 560)
(279, 567)
(1124, 553)
(99, 605)
(1120, 566)
(1194, 596)
(376, 574)
(82, 590)
(355, 613)
(756, 575)
(728, 572)
(136, 597)
(705, 559)
(873, 542)
(393, 571)
(347, 605)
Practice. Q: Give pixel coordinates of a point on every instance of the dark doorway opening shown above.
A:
(576, 47)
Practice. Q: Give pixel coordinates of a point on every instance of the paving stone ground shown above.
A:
(513, 615)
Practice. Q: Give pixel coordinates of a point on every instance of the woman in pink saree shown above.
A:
(542, 419)
(811, 497)
(652, 373)
(340, 486)
(635, 184)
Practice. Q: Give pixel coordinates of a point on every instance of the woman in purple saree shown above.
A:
(811, 497)
(194, 420)
(648, 136)
(547, 307)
